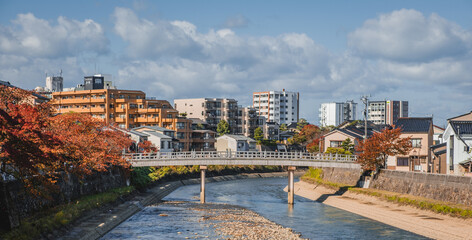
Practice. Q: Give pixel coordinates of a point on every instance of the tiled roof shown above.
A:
(438, 145)
(462, 127)
(414, 124)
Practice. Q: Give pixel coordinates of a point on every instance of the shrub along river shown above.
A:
(176, 218)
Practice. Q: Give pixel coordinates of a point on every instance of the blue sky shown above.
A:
(420, 51)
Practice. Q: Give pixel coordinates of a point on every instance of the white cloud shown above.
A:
(407, 35)
(34, 37)
(31, 47)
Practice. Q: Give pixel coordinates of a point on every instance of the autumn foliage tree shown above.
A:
(375, 150)
(35, 145)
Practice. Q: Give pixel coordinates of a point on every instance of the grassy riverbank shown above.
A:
(456, 210)
(59, 216)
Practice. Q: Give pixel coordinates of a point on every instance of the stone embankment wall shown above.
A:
(449, 188)
(16, 204)
(345, 176)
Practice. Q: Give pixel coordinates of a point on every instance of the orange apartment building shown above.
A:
(127, 108)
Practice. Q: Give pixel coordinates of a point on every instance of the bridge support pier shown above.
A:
(202, 184)
(291, 185)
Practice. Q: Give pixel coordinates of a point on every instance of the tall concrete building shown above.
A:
(335, 113)
(54, 84)
(277, 106)
(386, 112)
(210, 110)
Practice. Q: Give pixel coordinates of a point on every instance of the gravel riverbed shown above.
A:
(234, 222)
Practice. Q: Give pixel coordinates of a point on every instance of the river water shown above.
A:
(265, 196)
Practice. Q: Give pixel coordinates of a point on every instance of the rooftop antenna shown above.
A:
(365, 100)
(60, 74)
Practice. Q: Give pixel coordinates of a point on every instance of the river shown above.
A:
(265, 196)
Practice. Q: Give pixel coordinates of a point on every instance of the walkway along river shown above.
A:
(178, 219)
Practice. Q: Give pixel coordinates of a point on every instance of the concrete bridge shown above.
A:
(205, 158)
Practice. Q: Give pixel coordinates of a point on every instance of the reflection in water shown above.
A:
(265, 196)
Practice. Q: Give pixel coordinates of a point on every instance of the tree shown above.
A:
(301, 123)
(258, 134)
(333, 150)
(222, 127)
(307, 134)
(347, 145)
(35, 147)
(314, 146)
(376, 149)
(283, 127)
(88, 144)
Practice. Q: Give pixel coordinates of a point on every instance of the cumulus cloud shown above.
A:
(407, 35)
(237, 21)
(34, 37)
(31, 47)
(172, 59)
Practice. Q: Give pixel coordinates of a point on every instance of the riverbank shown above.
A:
(98, 223)
(425, 223)
(231, 222)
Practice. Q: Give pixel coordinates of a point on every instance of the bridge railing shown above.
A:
(249, 155)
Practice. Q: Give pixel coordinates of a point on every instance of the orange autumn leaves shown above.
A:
(375, 150)
(35, 145)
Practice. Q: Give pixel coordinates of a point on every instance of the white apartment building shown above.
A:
(335, 113)
(277, 106)
(387, 112)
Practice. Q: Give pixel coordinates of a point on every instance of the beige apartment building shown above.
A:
(248, 121)
(127, 108)
(210, 110)
(419, 158)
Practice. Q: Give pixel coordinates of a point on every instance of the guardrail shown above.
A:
(242, 155)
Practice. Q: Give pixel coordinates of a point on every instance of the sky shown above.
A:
(328, 51)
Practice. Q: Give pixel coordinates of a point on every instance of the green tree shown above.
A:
(301, 123)
(338, 151)
(258, 134)
(283, 127)
(222, 128)
(348, 145)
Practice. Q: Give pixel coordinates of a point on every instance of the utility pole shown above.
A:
(365, 100)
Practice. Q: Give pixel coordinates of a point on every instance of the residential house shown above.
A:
(235, 143)
(458, 138)
(162, 138)
(439, 158)
(420, 130)
(353, 130)
(437, 134)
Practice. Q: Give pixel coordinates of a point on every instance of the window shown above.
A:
(181, 135)
(169, 115)
(180, 125)
(335, 143)
(402, 161)
(416, 142)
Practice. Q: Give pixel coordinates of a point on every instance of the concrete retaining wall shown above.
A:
(16, 204)
(342, 175)
(441, 187)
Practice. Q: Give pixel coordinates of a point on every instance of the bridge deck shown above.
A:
(242, 158)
